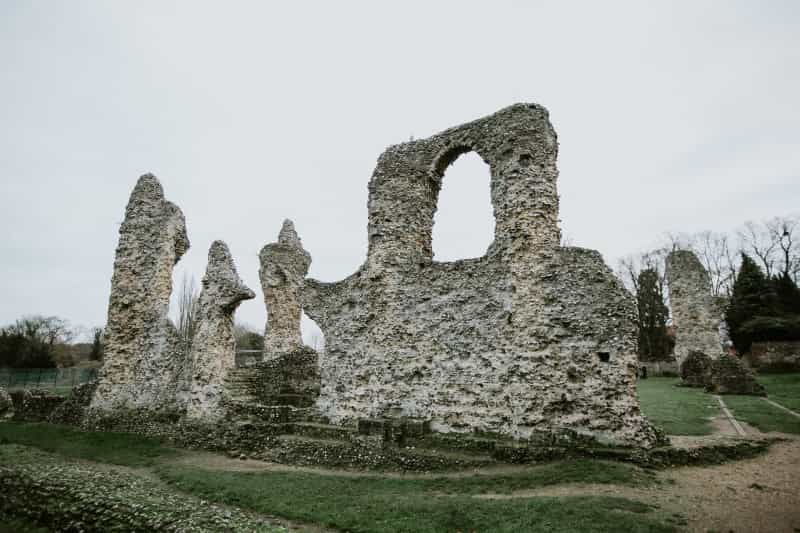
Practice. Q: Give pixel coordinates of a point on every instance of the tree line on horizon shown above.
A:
(753, 274)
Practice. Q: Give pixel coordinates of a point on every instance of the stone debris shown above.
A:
(730, 376)
(696, 314)
(143, 364)
(284, 265)
(530, 337)
(696, 369)
(213, 351)
(726, 374)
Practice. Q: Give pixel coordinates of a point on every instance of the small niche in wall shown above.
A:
(605, 357)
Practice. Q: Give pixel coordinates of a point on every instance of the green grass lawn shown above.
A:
(760, 414)
(370, 503)
(678, 410)
(783, 388)
(687, 411)
(114, 448)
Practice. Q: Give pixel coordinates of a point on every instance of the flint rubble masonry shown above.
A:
(284, 265)
(143, 365)
(530, 337)
(696, 315)
(213, 351)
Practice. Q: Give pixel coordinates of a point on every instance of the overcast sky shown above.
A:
(671, 116)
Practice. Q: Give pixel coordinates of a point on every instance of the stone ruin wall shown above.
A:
(284, 265)
(695, 313)
(213, 352)
(530, 337)
(145, 365)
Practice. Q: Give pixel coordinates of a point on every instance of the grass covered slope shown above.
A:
(114, 448)
(382, 505)
(366, 503)
(68, 495)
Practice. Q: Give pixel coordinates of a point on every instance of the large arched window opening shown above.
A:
(463, 226)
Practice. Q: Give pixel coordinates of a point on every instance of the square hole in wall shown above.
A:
(605, 357)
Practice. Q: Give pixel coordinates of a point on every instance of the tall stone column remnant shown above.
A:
(143, 365)
(214, 347)
(284, 265)
(696, 315)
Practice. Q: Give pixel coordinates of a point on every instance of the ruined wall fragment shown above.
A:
(284, 265)
(213, 351)
(695, 313)
(143, 365)
(531, 337)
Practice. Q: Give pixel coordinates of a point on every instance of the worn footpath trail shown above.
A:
(753, 495)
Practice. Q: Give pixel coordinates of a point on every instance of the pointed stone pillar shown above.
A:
(284, 265)
(213, 350)
(141, 366)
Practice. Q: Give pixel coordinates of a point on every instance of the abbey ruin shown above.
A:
(531, 338)
(700, 343)
(695, 314)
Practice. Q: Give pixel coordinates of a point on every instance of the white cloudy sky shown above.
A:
(672, 116)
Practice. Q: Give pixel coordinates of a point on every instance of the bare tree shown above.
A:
(718, 258)
(50, 330)
(756, 239)
(784, 230)
(629, 267)
(187, 310)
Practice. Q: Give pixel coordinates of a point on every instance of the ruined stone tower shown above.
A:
(143, 365)
(213, 351)
(695, 314)
(284, 265)
(530, 337)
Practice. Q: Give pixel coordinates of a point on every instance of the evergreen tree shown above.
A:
(753, 296)
(787, 294)
(654, 343)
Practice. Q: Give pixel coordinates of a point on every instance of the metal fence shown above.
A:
(45, 377)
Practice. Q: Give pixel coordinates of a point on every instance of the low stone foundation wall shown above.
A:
(774, 356)
(34, 405)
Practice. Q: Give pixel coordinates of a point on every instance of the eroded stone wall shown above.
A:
(143, 364)
(774, 356)
(213, 351)
(531, 337)
(695, 313)
(284, 265)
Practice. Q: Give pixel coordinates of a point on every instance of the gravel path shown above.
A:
(752, 495)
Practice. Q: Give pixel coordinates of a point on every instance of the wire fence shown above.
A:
(45, 378)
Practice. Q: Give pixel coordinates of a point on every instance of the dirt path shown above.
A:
(753, 495)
